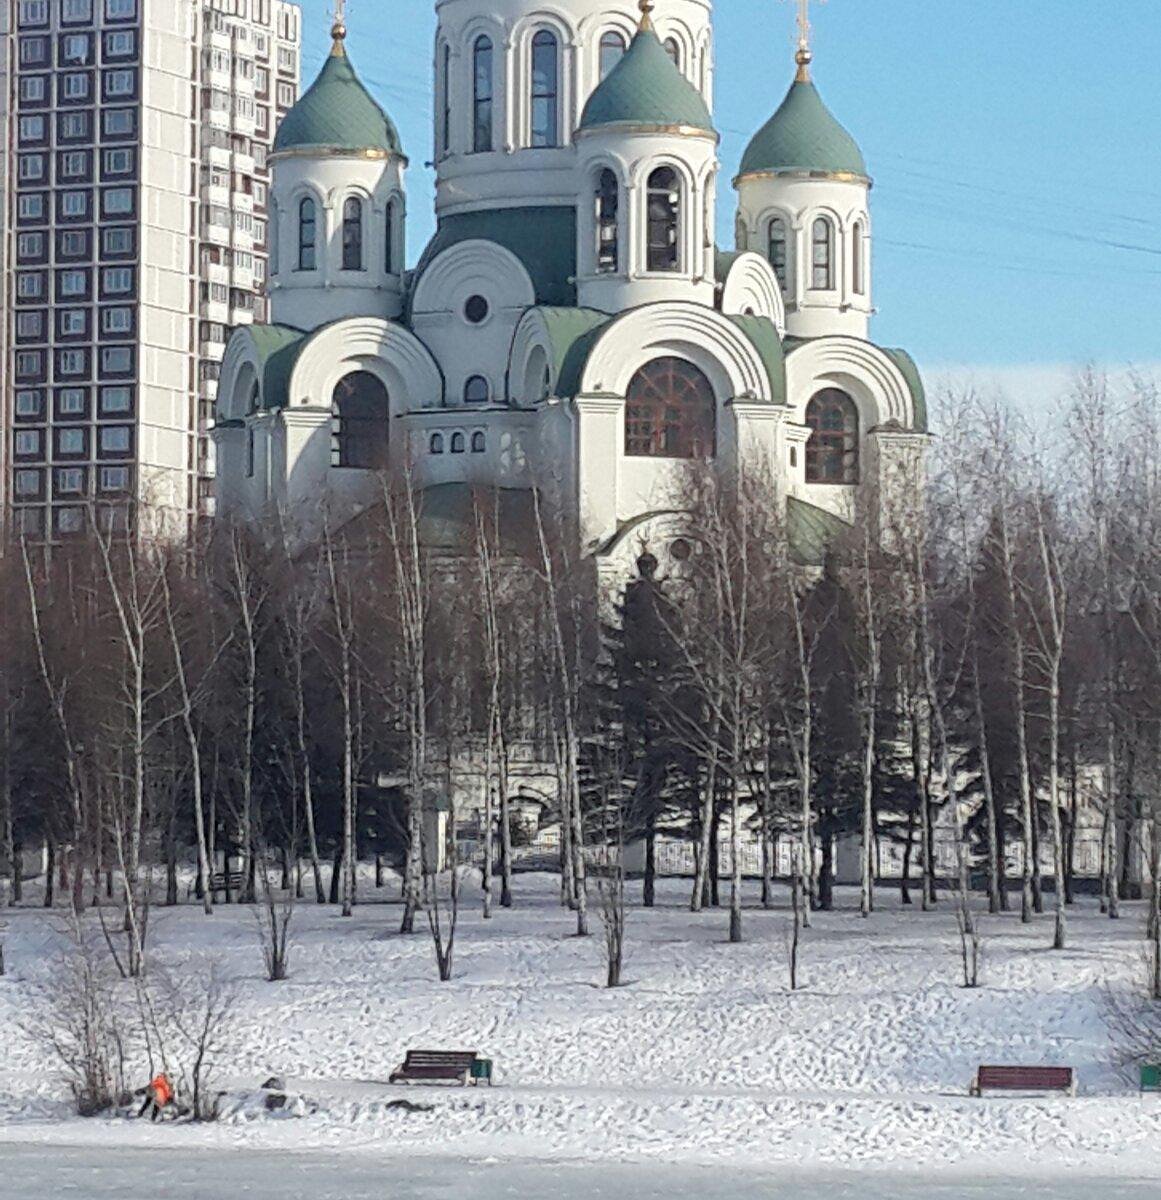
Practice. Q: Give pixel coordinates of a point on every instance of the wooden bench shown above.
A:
(1150, 1078)
(443, 1066)
(1024, 1079)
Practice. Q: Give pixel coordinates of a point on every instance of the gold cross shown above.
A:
(805, 55)
(339, 28)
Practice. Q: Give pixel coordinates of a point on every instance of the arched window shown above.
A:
(858, 259)
(353, 234)
(275, 237)
(608, 200)
(307, 234)
(612, 51)
(822, 255)
(777, 251)
(479, 442)
(476, 390)
(458, 443)
(436, 443)
(361, 423)
(545, 89)
(670, 412)
(445, 103)
(482, 94)
(389, 239)
(673, 49)
(832, 454)
(663, 251)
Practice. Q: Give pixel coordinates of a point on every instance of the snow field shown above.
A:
(705, 1056)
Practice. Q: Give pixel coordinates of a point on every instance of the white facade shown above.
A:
(137, 181)
(571, 327)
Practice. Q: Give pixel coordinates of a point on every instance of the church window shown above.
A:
(361, 422)
(436, 443)
(458, 443)
(353, 234)
(832, 453)
(612, 51)
(608, 233)
(858, 260)
(445, 103)
(275, 238)
(482, 95)
(673, 49)
(476, 310)
(479, 442)
(476, 390)
(777, 252)
(664, 211)
(545, 89)
(670, 412)
(389, 239)
(307, 235)
(822, 255)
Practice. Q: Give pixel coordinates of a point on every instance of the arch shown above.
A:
(673, 49)
(483, 94)
(859, 368)
(469, 268)
(479, 442)
(822, 254)
(544, 79)
(307, 234)
(612, 49)
(458, 443)
(778, 249)
(608, 222)
(353, 234)
(361, 413)
(665, 194)
(750, 285)
(435, 444)
(832, 453)
(476, 390)
(670, 411)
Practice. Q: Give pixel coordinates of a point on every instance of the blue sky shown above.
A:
(1015, 148)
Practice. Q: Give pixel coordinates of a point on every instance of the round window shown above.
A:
(681, 550)
(476, 310)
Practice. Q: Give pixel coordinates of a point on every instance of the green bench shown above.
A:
(1150, 1079)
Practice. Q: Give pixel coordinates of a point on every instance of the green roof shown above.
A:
(803, 135)
(573, 333)
(338, 113)
(543, 238)
(811, 531)
(910, 372)
(724, 263)
(763, 336)
(646, 88)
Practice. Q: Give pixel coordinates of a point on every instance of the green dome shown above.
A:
(646, 88)
(338, 113)
(803, 135)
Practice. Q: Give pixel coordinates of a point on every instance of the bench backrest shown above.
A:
(459, 1059)
(1033, 1079)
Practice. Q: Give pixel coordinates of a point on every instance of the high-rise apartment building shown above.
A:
(134, 237)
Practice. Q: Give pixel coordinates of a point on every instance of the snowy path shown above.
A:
(705, 1058)
(189, 1175)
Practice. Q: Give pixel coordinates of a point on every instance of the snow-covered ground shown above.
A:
(705, 1059)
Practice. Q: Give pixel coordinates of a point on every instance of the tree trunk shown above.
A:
(649, 888)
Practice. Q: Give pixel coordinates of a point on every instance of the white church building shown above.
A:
(572, 324)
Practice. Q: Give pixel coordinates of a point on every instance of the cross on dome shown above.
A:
(805, 55)
(339, 28)
(646, 7)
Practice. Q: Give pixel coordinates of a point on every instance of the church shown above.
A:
(572, 326)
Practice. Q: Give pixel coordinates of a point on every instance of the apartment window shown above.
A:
(122, 82)
(72, 364)
(121, 43)
(76, 49)
(30, 326)
(30, 364)
(71, 443)
(74, 206)
(115, 321)
(119, 122)
(113, 479)
(32, 168)
(30, 247)
(119, 162)
(70, 481)
(29, 484)
(33, 51)
(30, 285)
(72, 323)
(74, 126)
(74, 164)
(116, 439)
(29, 403)
(76, 85)
(28, 443)
(120, 10)
(33, 89)
(30, 207)
(117, 202)
(72, 284)
(69, 520)
(285, 94)
(118, 242)
(33, 130)
(73, 12)
(116, 360)
(73, 243)
(72, 402)
(115, 401)
(33, 13)
(286, 58)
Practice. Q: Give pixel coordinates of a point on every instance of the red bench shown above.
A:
(1024, 1079)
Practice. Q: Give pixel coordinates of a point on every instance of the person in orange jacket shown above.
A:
(158, 1097)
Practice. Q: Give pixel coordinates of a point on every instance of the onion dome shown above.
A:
(646, 89)
(337, 113)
